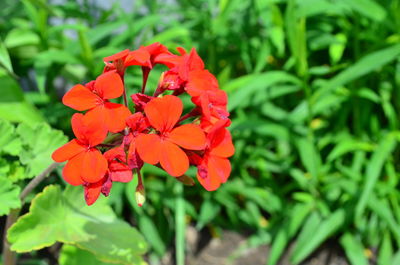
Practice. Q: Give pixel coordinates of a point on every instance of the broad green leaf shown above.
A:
(9, 143)
(5, 57)
(373, 170)
(71, 255)
(369, 8)
(39, 142)
(21, 37)
(354, 249)
(63, 216)
(316, 235)
(9, 196)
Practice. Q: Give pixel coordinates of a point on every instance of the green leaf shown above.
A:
(315, 233)
(373, 171)
(71, 255)
(287, 231)
(8, 142)
(55, 216)
(382, 209)
(368, 8)
(21, 37)
(385, 250)
(242, 89)
(309, 156)
(365, 65)
(9, 196)
(5, 60)
(208, 211)
(346, 146)
(13, 106)
(354, 249)
(150, 232)
(39, 143)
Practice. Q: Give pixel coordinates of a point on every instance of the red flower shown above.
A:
(85, 162)
(95, 98)
(176, 78)
(118, 169)
(137, 124)
(164, 147)
(92, 190)
(214, 168)
(203, 87)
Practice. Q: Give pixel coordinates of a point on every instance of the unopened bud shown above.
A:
(140, 194)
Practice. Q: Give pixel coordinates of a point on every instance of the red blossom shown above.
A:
(95, 96)
(82, 153)
(156, 133)
(164, 146)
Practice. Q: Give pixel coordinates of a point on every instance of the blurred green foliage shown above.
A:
(314, 94)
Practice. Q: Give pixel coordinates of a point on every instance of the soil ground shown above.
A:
(204, 250)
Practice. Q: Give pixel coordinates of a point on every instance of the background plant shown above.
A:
(314, 95)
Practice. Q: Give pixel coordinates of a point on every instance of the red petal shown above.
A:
(114, 57)
(115, 116)
(80, 98)
(138, 57)
(117, 168)
(89, 128)
(173, 159)
(94, 166)
(92, 192)
(148, 147)
(120, 173)
(67, 151)
(134, 161)
(188, 136)
(72, 170)
(163, 113)
(201, 81)
(137, 122)
(109, 85)
(218, 170)
(224, 148)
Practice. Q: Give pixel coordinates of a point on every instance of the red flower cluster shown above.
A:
(111, 142)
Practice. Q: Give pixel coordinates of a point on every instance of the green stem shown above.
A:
(180, 226)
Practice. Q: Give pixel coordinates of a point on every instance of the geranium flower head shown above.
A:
(165, 146)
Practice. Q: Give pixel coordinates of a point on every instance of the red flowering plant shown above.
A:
(112, 143)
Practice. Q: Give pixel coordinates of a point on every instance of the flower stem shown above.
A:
(125, 98)
(145, 71)
(9, 256)
(192, 113)
(180, 225)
